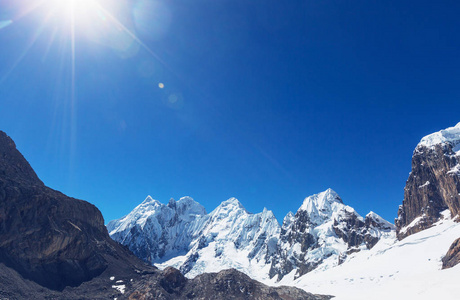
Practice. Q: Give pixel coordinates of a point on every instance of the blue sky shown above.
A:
(266, 101)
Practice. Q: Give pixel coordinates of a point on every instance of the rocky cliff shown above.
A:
(433, 184)
(47, 237)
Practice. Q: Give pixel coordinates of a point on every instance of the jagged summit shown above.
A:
(449, 135)
(232, 203)
(288, 219)
(373, 219)
(149, 200)
(322, 206)
(321, 201)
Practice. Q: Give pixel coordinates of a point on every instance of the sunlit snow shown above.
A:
(407, 269)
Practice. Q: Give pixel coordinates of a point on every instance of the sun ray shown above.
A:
(21, 56)
(130, 33)
(73, 114)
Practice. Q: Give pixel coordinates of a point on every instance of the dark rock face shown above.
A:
(44, 235)
(432, 187)
(173, 280)
(227, 284)
(49, 241)
(452, 257)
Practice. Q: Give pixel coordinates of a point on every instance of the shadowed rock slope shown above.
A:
(56, 247)
(452, 256)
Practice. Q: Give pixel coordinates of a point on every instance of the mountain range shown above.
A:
(322, 235)
(182, 235)
(56, 247)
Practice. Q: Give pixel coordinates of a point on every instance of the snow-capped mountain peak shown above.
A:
(377, 221)
(321, 200)
(322, 206)
(231, 203)
(288, 219)
(448, 135)
(229, 208)
(138, 215)
(188, 209)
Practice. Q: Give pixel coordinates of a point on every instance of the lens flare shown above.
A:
(6, 23)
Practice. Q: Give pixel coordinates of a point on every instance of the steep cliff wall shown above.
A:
(434, 182)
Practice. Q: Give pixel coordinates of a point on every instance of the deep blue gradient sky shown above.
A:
(267, 101)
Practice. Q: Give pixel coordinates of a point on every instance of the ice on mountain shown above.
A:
(449, 135)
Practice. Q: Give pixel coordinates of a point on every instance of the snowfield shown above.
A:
(392, 269)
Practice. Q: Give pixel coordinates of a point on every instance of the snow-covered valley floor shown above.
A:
(407, 269)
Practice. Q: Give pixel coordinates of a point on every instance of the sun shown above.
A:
(77, 7)
(78, 12)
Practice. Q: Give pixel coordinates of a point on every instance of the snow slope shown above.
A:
(392, 269)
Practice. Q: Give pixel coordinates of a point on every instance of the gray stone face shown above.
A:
(431, 188)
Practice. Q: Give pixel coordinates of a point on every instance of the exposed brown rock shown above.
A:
(430, 189)
(452, 257)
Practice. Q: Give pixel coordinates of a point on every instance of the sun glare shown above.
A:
(79, 12)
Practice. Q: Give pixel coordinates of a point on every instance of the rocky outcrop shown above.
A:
(227, 284)
(433, 184)
(452, 256)
(56, 247)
